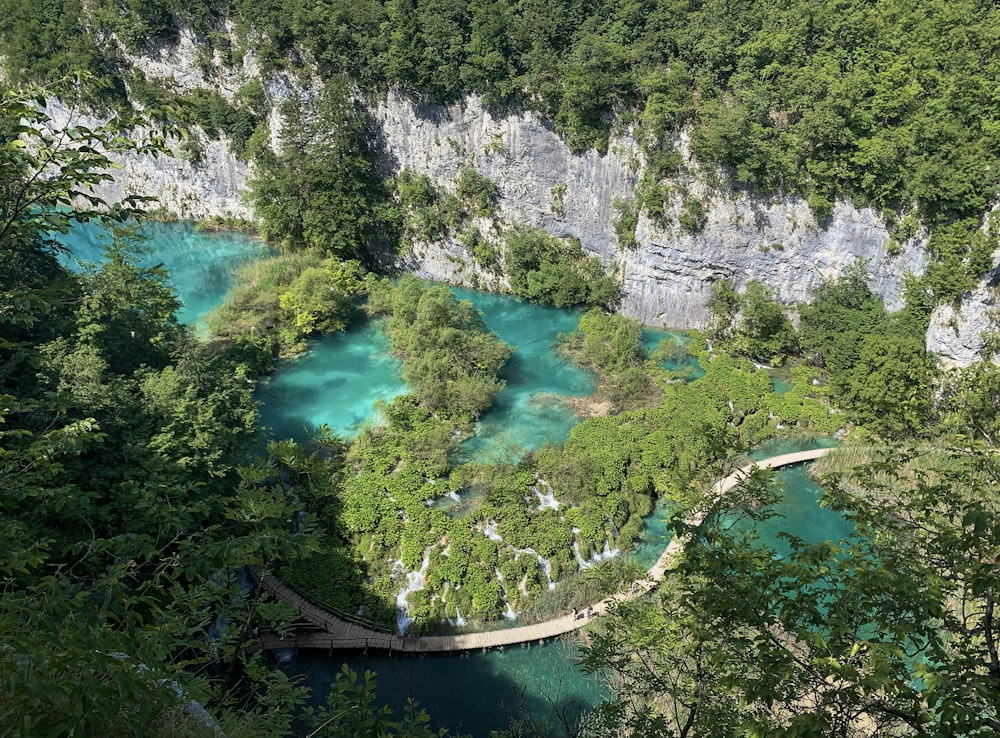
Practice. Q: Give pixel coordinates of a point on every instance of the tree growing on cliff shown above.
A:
(320, 190)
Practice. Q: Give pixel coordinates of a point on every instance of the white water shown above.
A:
(609, 552)
(542, 561)
(414, 582)
(458, 621)
(490, 531)
(546, 499)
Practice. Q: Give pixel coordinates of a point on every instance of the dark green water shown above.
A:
(471, 693)
(201, 265)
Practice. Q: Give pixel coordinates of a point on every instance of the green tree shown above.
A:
(888, 632)
(723, 305)
(763, 331)
(127, 310)
(834, 324)
(890, 387)
(320, 190)
(544, 268)
(320, 299)
(123, 519)
(449, 357)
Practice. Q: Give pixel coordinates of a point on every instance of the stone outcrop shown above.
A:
(184, 189)
(668, 278)
(956, 336)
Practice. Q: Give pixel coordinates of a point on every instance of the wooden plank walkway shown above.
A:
(333, 632)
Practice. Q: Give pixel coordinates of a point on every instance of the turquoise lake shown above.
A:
(338, 381)
(201, 264)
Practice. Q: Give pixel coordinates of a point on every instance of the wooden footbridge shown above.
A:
(338, 631)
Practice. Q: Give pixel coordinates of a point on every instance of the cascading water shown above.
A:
(490, 531)
(414, 583)
(609, 552)
(546, 499)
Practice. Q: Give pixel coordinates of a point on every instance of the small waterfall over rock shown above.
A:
(414, 582)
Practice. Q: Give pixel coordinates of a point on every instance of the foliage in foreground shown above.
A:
(892, 631)
(126, 515)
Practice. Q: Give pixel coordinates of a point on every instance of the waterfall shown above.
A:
(609, 552)
(414, 582)
(490, 531)
(546, 499)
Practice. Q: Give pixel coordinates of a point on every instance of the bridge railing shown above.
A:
(327, 607)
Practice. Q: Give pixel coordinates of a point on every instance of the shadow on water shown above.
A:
(470, 693)
(336, 383)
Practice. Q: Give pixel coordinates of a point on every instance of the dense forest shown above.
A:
(889, 103)
(136, 491)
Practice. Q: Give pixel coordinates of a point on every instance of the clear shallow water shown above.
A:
(651, 338)
(337, 382)
(201, 265)
(655, 537)
(342, 376)
(530, 411)
(799, 513)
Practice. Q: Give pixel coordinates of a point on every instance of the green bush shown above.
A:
(544, 268)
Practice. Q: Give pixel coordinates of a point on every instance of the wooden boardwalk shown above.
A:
(332, 632)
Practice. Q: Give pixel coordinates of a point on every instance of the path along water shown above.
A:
(476, 691)
(492, 684)
(335, 632)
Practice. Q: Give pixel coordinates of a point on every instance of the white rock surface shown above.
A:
(668, 278)
(189, 191)
(956, 336)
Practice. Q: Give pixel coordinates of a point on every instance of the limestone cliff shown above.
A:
(185, 189)
(957, 335)
(666, 278)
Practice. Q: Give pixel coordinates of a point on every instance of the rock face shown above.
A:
(213, 187)
(184, 189)
(956, 336)
(668, 278)
(541, 182)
